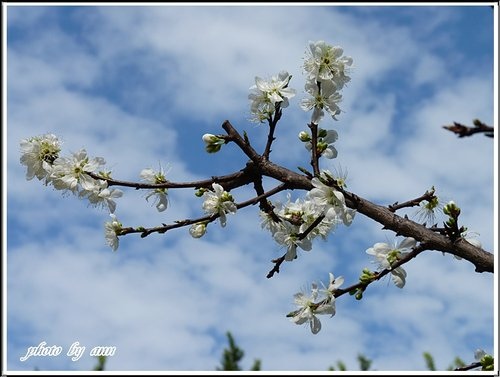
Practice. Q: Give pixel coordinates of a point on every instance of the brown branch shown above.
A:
(483, 260)
(474, 365)
(405, 259)
(259, 166)
(229, 182)
(272, 127)
(428, 195)
(276, 269)
(209, 218)
(377, 276)
(479, 127)
(314, 148)
(240, 142)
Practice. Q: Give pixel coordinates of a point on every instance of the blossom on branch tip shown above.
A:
(159, 194)
(219, 202)
(265, 96)
(319, 302)
(38, 154)
(306, 311)
(324, 62)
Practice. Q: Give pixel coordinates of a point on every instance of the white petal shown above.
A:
(399, 277)
(315, 325)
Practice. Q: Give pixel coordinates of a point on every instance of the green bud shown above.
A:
(487, 362)
(105, 174)
(304, 136)
(451, 209)
(227, 197)
(322, 133)
(213, 148)
(199, 193)
(322, 146)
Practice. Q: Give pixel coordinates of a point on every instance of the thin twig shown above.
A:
(428, 195)
(479, 127)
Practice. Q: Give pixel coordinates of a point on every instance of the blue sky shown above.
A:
(140, 85)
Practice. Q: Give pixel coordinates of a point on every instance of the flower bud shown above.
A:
(198, 230)
(304, 136)
(213, 148)
(451, 209)
(210, 138)
(213, 143)
(199, 193)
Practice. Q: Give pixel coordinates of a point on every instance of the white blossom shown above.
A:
(386, 255)
(330, 199)
(159, 194)
(319, 302)
(325, 62)
(333, 284)
(295, 226)
(306, 311)
(112, 229)
(38, 154)
(219, 202)
(104, 196)
(70, 173)
(323, 96)
(266, 94)
(288, 235)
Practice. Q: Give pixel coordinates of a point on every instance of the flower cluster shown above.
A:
(325, 68)
(266, 96)
(330, 199)
(296, 224)
(76, 175)
(320, 301)
(386, 255)
(40, 155)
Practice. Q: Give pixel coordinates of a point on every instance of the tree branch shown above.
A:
(463, 131)
(482, 260)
